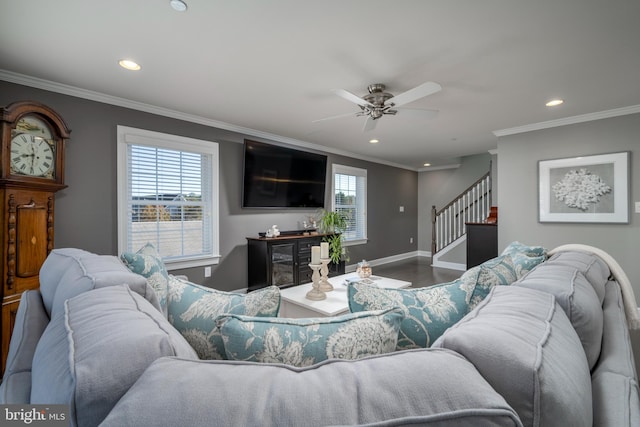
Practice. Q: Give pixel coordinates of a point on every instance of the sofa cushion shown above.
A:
(592, 266)
(499, 271)
(148, 263)
(413, 387)
(617, 352)
(428, 312)
(193, 311)
(577, 298)
(69, 272)
(523, 344)
(524, 257)
(304, 342)
(30, 323)
(92, 353)
(624, 410)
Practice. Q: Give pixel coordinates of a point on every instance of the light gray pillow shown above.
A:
(92, 353)
(412, 387)
(523, 344)
(577, 298)
(592, 266)
(54, 267)
(69, 272)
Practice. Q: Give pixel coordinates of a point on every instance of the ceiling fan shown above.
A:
(378, 103)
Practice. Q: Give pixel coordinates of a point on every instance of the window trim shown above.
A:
(128, 135)
(358, 172)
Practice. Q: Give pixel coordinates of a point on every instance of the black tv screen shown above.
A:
(280, 177)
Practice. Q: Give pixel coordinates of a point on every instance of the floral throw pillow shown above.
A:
(148, 263)
(428, 311)
(495, 272)
(524, 257)
(193, 310)
(304, 342)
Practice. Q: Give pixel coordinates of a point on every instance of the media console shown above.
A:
(283, 261)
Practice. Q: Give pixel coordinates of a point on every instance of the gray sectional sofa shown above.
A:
(551, 349)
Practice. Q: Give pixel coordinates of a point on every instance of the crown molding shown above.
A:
(439, 168)
(633, 109)
(12, 77)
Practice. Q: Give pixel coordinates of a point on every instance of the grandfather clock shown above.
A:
(31, 171)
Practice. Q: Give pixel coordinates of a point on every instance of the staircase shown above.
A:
(448, 228)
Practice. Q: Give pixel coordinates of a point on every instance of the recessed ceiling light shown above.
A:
(373, 141)
(178, 5)
(554, 102)
(427, 164)
(129, 64)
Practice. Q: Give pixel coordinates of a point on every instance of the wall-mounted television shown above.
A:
(281, 177)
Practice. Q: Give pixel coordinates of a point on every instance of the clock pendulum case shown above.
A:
(31, 171)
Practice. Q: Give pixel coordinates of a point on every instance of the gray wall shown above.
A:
(438, 188)
(518, 157)
(86, 210)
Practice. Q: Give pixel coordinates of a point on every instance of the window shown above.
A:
(168, 195)
(350, 197)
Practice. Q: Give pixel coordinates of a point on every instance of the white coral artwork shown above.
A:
(580, 189)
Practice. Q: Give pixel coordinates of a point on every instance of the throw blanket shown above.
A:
(628, 297)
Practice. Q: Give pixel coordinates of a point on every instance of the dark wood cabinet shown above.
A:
(482, 242)
(282, 261)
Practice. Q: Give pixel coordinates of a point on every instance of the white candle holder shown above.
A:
(324, 285)
(316, 294)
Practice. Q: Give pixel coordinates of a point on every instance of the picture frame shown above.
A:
(585, 189)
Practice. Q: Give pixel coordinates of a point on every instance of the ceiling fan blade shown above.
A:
(417, 92)
(370, 124)
(339, 116)
(424, 114)
(351, 97)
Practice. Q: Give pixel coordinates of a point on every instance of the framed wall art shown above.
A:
(592, 189)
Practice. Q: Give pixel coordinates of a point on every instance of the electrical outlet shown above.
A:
(637, 207)
(207, 272)
(401, 208)
(410, 239)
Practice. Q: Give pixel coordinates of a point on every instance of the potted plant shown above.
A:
(336, 224)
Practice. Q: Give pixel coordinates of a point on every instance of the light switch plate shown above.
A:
(637, 207)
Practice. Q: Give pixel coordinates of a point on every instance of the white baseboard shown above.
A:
(449, 265)
(399, 257)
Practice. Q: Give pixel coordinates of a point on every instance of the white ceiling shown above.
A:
(270, 65)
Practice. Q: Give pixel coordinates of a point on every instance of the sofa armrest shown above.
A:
(31, 321)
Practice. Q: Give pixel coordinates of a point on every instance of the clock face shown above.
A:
(33, 148)
(32, 156)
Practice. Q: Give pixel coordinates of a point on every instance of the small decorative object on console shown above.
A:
(273, 231)
(364, 269)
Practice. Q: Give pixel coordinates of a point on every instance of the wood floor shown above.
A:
(416, 270)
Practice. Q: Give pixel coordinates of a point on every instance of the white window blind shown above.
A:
(168, 196)
(350, 198)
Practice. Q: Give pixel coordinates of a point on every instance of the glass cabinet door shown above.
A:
(282, 264)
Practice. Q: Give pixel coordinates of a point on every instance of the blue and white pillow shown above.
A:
(148, 263)
(499, 271)
(428, 311)
(304, 342)
(193, 310)
(524, 257)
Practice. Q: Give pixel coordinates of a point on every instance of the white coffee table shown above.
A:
(295, 304)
